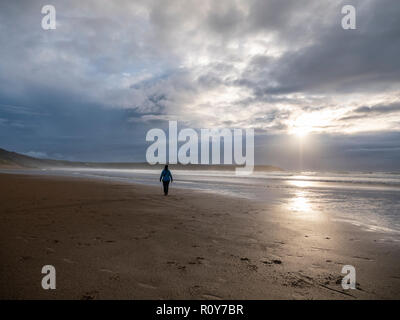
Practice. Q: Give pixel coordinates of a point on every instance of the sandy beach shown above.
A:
(114, 240)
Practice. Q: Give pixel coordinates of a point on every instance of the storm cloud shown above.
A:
(113, 69)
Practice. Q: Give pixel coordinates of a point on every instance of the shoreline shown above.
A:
(116, 240)
(274, 191)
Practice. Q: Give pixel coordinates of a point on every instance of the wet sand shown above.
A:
(111, 240)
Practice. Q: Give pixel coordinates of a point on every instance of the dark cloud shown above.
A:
(113, 69)
(378, 109)
(369, 111)
(361, 60)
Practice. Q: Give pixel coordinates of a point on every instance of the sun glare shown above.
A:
(300, 132)
(308, 123)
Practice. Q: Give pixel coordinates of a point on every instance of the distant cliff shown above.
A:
(9, 159)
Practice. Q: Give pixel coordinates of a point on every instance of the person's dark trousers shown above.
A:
(165, 184)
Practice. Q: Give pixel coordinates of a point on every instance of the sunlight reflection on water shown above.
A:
(301, 204)
(300, 183)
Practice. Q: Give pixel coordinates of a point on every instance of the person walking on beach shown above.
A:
(166, 177)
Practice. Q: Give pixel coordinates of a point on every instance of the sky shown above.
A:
(319, 97)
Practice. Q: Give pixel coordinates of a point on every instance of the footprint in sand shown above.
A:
(25, 258)
(81, 244)
(91, 295)
(114, 277)
(182, 268)
(198, 260)
(271, 262)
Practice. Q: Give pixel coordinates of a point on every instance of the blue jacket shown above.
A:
(166, 176)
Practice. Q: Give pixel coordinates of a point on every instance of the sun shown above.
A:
(301, 132)
(307, 123)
